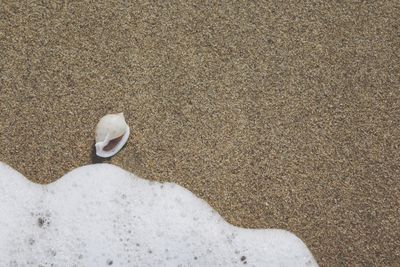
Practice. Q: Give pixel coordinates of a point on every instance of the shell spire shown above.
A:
(112, 133)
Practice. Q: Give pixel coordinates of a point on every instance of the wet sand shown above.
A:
(280, 115)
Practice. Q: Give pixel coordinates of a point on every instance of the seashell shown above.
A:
(112, 132)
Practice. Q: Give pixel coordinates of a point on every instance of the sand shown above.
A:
(280, 115)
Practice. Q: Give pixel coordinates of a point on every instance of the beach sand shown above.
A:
(280, 115)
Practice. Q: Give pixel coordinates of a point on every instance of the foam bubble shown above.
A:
(101, 215)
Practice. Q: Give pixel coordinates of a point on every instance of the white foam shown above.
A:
(101, 215)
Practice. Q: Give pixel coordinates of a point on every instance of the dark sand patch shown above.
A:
(280, 115)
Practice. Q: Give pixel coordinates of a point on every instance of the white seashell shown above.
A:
(112, 132)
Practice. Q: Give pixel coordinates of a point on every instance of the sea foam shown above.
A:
(101, 215)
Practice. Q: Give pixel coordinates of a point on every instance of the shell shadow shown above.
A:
(96, 159)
